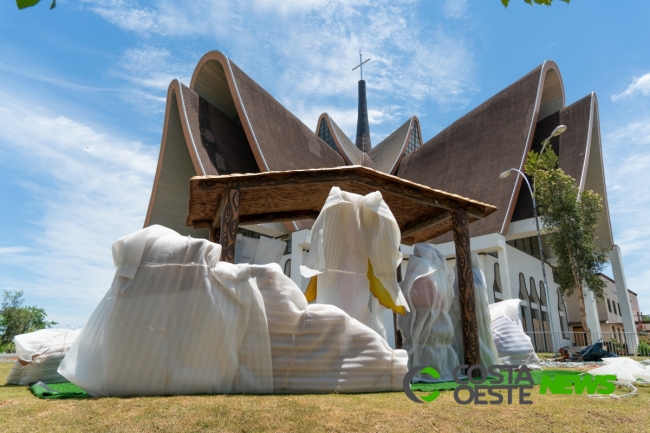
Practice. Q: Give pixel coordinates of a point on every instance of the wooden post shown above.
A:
(398, 334)
(229, 209)
(460, 221)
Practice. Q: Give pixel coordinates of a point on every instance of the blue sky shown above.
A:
(82, 98)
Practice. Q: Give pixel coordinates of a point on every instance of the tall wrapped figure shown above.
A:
(427, 330)
(353, 258)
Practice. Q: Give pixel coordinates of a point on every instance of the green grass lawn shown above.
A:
(20, 411)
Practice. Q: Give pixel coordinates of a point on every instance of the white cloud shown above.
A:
(454, 8)
(13, 250)
(306, 50)
(149, 71)
(91, 188)
(627, 165)
(639, 85)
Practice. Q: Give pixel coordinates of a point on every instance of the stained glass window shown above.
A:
(325, 134)
(414, 139)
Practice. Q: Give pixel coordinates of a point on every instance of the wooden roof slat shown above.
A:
(420, 211)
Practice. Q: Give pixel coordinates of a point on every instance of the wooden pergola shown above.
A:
(221, 203)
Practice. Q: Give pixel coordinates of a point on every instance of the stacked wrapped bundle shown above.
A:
(178, 321)
(512, 343)
(39, 355)
(319, 348)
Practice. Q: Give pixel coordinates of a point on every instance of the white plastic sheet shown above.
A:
(350, 230)
(39, 355)
(626, 370)
(258, 251)
(175, 321)
(427, 330)
(513, 345)
(184, 323)
(488, 350)
(319, 348)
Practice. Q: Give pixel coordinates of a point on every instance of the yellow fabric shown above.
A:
(378, 291)
(310, 293)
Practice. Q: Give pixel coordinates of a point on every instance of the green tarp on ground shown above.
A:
(57, 390)
(449, 386)
(68, 390)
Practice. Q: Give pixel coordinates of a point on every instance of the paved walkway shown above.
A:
(8, 357)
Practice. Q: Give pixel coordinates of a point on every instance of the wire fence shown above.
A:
(632, 344)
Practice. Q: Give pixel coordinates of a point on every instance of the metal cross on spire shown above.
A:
(360, 65)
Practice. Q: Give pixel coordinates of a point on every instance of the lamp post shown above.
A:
(557, 131)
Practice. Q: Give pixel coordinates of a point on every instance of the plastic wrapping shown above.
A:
(258, 251)
(488, 350)
(626, 370)
(351, 231)
(319, 348)
(177, 321)
(39, 355)
(427, 330)
(513, 345)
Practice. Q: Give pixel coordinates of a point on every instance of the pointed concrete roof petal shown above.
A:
(278, 139)
(347, 149)
(388, 154)
(467, 157)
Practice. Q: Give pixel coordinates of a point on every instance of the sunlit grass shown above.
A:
(22, 412)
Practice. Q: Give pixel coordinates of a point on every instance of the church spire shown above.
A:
(363, 128)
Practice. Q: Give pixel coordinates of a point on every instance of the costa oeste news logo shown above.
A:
(485, 388)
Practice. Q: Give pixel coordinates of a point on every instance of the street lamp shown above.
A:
(557, 131)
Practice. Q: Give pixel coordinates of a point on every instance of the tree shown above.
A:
(570, 218)
(16, 319)
(530, 2)
(22, 4)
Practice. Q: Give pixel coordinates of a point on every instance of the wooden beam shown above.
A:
(270, 217)
(421, 225)
(380, 181)
(229, 209)
(460, 221)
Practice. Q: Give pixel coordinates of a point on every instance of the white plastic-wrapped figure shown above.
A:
(513, 345)
(39, 355)
(488, 350)
(178, 321)
(427, 330)
(354, 255)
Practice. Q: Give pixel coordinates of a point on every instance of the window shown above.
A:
(496, 287)
(414, 139)
(528, 245)
(609, 305)
(523, 295)
(561, 306)
(538, 328)
(523, 292)
(542, 294)
(287, 268)
(325, 134)
(619, 309)
(533, 292)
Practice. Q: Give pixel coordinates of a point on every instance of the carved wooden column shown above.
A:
(398, 334)
(460, 221)
(229, 211)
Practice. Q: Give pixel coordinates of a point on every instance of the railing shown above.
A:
(629, 344)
